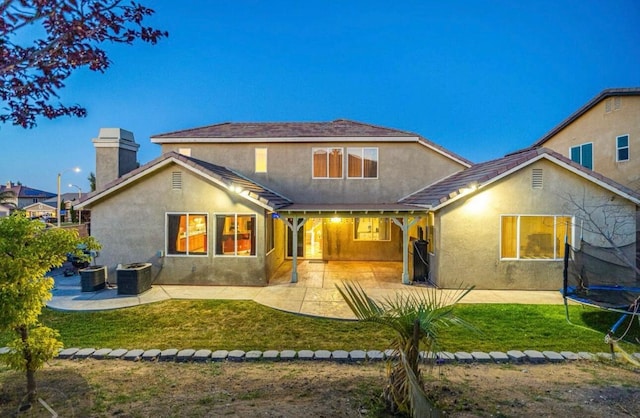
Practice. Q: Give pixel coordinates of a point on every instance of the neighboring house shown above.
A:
(69, 200)
(41, 210)
(603, 135)
(24, 195)
(229, 203)
(502, 224)
(4, 210)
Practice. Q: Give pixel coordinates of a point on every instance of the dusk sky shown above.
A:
(480, 78)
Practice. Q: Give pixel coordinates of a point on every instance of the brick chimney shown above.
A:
(116, 155)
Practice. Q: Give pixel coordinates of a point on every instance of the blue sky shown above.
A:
(481, 78)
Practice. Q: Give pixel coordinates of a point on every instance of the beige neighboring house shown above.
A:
(603, 135)
(40, 210)
(228, 204)
(4, 211)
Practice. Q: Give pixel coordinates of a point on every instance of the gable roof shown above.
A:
(346, 130)
(604, 94)
(222, 176)
(481, 175)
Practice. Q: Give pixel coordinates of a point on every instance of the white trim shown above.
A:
(556, 246)
(235, 245)
(362, 151)
(628, 147)
(166, 234)
(593, 159)
(171, 160)
(533, 160)
(327, 149)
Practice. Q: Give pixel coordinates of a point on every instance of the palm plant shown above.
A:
(7, 198)
(416, 318)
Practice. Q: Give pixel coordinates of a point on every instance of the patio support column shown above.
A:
(405, 225)
(295, 227)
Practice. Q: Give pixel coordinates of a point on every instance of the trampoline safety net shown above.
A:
(598, 276)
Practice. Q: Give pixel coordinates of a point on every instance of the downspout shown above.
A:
(405, 225)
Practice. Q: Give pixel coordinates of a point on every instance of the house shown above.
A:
(603, 135)
(41, 210)
(502, 224)
(25, 195)
(227, 204)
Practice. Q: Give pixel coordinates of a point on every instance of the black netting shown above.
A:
(599, 276)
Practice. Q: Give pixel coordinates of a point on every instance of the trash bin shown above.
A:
(134, 278)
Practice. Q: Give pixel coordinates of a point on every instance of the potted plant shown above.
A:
(92, 277)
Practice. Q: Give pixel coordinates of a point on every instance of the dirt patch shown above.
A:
(111, 388)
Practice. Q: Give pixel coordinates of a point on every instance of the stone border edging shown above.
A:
(340, 356)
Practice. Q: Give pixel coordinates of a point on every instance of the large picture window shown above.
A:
(362, 163)
(236, 235)
(187, 234)
(525, 237)
(371, 229)
(583, 155)
(327, 163)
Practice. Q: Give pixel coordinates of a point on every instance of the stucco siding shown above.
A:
(339, 244)
(403, 168)
(130, 225)
(468, 231)
(602, 127)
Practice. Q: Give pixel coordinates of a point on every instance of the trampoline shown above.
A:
(603, 278)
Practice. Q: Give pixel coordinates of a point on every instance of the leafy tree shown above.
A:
(416, 319)
(92, 182)
(28, 250)
(34, 67)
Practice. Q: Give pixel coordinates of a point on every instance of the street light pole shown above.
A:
(79, 198)
(77, 170)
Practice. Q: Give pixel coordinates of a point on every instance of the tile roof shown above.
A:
(224, 175)
(336, 128)
(299, 131)
(484, 173)
(628, 91)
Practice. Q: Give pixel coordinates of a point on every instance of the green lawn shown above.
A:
(246, 325)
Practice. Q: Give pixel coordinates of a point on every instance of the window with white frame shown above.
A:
(236, 235)
(186, 234)
(261, 160)
(583, 155)
(371, 229)
(327, 163)
(622, 148)
(362, 163)
(534, 237)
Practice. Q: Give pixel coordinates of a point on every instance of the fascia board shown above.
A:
(157, 167)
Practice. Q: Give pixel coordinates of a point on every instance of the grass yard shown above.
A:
(246, 325)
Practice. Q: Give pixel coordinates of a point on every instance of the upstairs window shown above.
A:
(622, 148)
(327, 163)
(261, 160)
(583, 155)
(187, 234)
(362, 163)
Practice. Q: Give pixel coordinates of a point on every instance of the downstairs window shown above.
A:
(525, 237)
